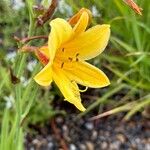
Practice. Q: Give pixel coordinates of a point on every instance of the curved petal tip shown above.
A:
(80, 106)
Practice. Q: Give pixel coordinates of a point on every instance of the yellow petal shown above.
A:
(87, 75)
(45, 51)
(74, 19)
(44, 77)
(43, 54)
(81, 24)
(69, 89)
(61, 31)
(89, 44)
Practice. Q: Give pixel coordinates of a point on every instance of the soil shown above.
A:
(109, 133)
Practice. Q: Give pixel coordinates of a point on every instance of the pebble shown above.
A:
(94, 135)
(65, 128)
(89, 145)
(35, 141)
(89, 125)
(121, 138)
(59, 120)
(114, 145)
(147, 147)
(107, 134)
(72, 147)
(104, 145)
(137, 140)
(50, 145)
(82, 147)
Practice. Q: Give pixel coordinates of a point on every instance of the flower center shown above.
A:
(63, 60)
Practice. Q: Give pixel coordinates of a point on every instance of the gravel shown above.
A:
(105, 134)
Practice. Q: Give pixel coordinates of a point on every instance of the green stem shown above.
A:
(16, 131)
(18, 111)
(145, 102)
(101, 100)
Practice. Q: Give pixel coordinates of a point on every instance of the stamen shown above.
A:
(63, 49)
(77, 54)
(77, 59)
(70, 58)
(62, 64)
(83, 89)
(75, 89)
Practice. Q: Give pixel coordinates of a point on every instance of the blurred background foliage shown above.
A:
(125, 60)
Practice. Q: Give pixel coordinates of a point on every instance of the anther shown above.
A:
(63, 49)
(77, 54)
(77, 59)
(70, 58)
(62, 64)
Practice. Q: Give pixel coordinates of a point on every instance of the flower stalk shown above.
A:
(134, 6)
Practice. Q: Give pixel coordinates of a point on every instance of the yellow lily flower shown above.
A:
(68, 48)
